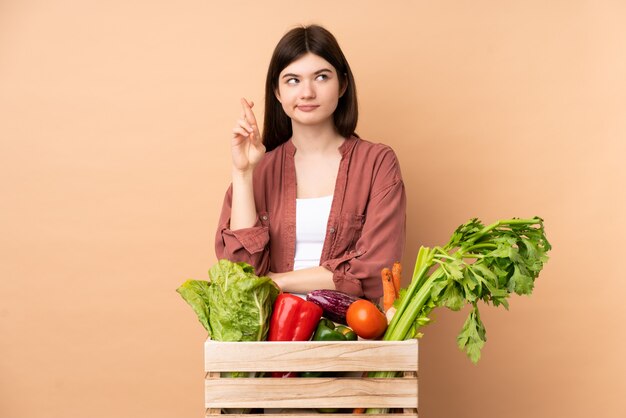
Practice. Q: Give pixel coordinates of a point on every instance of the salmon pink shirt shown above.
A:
(366, 225)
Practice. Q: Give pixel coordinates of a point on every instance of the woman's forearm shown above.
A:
(243, 210)
(305, 280)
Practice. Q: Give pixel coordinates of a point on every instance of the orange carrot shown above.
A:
(396, 272)
(389, 292)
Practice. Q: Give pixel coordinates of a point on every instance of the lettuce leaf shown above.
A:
(235, 305)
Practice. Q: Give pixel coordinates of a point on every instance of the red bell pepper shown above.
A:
(293, 319)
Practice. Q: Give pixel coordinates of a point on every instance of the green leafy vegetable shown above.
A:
(479, 263)
(196, 293)
(235, 305)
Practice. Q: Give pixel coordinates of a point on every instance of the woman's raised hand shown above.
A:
(247, 146)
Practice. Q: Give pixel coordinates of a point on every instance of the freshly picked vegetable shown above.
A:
(391, 285)
(366, 319)
(294, 319)
(479, 263)
(235, 305)
(328, 331)
(334, 303)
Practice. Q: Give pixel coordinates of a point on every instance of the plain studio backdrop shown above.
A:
(115, 121)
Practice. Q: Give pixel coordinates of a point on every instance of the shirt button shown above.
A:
(332, 230)
(264, 217)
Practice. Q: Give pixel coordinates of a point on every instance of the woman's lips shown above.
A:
(307, 108)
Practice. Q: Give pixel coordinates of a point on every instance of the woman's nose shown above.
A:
(307, 91)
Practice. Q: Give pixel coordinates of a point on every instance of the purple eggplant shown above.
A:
(334, 303)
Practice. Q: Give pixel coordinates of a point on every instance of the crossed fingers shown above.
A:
(247, 125)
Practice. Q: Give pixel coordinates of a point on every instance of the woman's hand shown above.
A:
(247, 146)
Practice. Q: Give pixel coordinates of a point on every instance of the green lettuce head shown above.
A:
(235, 305)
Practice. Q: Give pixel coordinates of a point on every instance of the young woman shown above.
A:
(311, 204)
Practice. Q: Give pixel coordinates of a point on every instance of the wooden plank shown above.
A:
(411, 411)
(213, 411)
(311, 356)
(311, 393)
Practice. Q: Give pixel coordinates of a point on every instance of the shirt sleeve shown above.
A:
(382, 237)
(249, 245)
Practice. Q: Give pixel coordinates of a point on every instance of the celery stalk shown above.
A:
(479, 262)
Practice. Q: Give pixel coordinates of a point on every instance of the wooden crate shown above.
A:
(399, 393)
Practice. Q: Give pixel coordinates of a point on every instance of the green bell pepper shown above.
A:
(347, 332)
(326, 332)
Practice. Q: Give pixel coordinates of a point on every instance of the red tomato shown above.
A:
(366, 319)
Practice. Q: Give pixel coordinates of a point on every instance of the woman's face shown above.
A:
(309, 90)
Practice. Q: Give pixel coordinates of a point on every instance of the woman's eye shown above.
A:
(322, 77)
(292, 81)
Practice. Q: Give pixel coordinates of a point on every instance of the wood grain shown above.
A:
(311, 356)
(310, 393)
(295, 396)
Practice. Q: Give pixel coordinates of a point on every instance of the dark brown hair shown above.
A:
(294, 44)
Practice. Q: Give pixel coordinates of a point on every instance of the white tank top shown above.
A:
(311, 220)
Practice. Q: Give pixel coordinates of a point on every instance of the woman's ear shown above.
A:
(344, 85)
(277, 94)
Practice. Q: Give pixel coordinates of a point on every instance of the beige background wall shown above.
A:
(114, 128)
